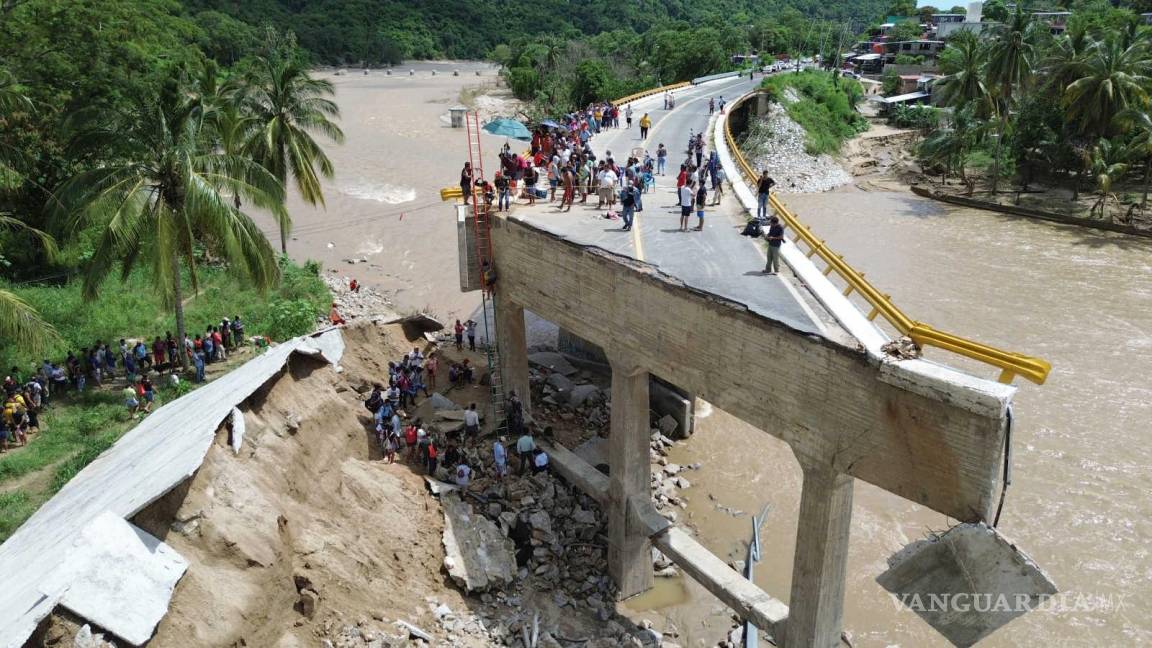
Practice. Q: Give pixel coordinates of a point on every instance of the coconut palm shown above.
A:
(1009, 68)
(1113, 78)
(168, 196)
(963, 83)
(1109, 163)
(289, 106)
(20, 324)
(1139, 124)
(1064, 61)
(950, 147)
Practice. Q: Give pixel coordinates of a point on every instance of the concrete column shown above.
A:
(629, 551)
(513, 347)
(816, 608)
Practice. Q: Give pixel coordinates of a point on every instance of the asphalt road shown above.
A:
(716, 259)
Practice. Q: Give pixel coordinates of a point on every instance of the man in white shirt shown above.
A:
(608, 187)
(686, 196)
(471, 422)
(463, 475)
(540, 462)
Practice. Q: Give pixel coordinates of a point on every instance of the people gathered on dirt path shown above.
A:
(131, 365)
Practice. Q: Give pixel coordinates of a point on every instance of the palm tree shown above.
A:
(963, 82)
(167, 196)
(230, 125)
(288, 106)
(20, 324)
(950, 147)
(1114, 78)
(1109, 162)
(1009, 69)
(1064, 62)
(1139, 123)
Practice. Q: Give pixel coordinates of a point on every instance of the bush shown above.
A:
(288, 318)
(921, 117)
(826, 107)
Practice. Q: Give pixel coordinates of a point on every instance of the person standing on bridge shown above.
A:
(687, 197)
(628, 116)
(466, 181)
(628, 204)
(775, 238)
(661, 159)
(711, 106)
(645, 124)
(568, 177)
(503, 202)
(763, 189)
(701, 200)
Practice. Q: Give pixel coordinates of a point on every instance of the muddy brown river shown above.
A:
(1080, 500)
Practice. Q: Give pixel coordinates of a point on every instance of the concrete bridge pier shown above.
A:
(630, 479)
(816, 606)
(512, 343)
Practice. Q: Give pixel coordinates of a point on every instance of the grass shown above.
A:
(76, 428)
(132, 309)
(825, 107)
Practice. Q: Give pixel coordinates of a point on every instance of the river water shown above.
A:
(1080, 500)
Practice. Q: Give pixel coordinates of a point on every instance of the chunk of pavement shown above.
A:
(553, 361)
(441, 402)
(582, 394)
(414, 632)
(971, 564)
(668, 425)
(562, 384)
(477, 555)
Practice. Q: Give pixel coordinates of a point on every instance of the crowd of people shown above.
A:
(26, 394)
(561, 156)
(402, 435)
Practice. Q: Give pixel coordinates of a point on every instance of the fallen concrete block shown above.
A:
(563, 386)
(582, 394)
(552, 361)
(441, 402)
(477, 555)
(967, 582)
(119, 577)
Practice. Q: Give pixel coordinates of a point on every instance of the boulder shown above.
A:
(477, 554)
(668, 425)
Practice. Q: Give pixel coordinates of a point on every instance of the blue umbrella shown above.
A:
(550, 124)
(508, 128)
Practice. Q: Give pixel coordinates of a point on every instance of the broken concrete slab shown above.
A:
(441, 402)
(967, 582)
(147, 462)
(563, 386)
(594, 451)
(477, 554)
(119, 577)
(552, 361)
(455, 415)
(582, 394)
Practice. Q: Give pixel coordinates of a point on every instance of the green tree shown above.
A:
(963, 67)
(167, 196)
(1139, 124)
(1009, 68)
(1109, 163)
(949, 148)
(891, 83)
(1114, 78)
(289, 105)
(905, 31)
(995, 11)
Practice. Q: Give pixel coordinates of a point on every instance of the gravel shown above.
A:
(776, 143)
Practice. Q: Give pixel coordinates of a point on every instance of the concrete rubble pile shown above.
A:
(366, 303)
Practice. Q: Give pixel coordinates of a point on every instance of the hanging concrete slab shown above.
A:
(966, 583)
(119, 577)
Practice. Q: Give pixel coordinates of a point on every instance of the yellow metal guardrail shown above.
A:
(1010, 364)
(649, 93)
(451, 193)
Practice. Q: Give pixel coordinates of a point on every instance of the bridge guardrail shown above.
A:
(650, 92)
(1011, 364)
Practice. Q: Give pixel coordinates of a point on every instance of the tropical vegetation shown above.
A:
(1071, 107)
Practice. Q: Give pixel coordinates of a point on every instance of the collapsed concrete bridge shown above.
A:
(927, 433)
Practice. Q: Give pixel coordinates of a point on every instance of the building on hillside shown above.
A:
(919, 92)
(944, 18)
(929, 49)
(1057, 20)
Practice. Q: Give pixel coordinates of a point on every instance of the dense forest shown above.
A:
(386, 31)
